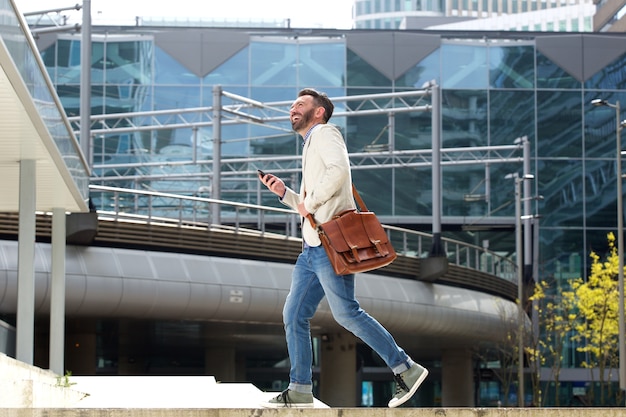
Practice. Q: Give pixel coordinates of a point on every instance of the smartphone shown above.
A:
(261, 173)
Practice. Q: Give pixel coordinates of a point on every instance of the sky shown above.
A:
(332, 14)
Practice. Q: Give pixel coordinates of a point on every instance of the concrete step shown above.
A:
(28, 391)
(173, 392)
(320, 412)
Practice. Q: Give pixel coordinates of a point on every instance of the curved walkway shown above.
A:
(154, 280)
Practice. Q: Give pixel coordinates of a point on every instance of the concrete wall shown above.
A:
(25, 386)
(322, 412)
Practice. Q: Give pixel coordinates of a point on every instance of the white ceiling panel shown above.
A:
(24, 136)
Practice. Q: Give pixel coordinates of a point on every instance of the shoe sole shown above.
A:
(412, 391)
(300, 405)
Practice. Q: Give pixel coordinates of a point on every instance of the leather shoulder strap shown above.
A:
(358, 199)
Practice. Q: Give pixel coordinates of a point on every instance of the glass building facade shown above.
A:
(494, 89)
(551, 16)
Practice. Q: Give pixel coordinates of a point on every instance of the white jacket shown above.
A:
(326, 181)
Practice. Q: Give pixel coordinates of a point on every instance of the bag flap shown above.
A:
(354, 229)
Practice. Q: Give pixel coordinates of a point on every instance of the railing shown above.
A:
(153, 207)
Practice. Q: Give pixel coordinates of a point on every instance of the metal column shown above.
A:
(217, 153)
(57, 293)
(25, 335)
(85, 84)
(437, 248)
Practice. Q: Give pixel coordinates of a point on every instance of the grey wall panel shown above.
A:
(75, 290)
(102, 296)
(170, 299)
(600, 51)
(100, 262)
(392, 53)
(135, 264)
(201, 50)
(581, 56)
(139, 294)
(4, 276)
(564, 50)
(204, 301)
(170, 266)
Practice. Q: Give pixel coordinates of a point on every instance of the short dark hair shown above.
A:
(321, 99)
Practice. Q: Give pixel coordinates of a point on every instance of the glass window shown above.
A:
(64, 52)
(610, 77)
(511, 115)
(565, 249)
(412, 131)
(461, 181)
(465, 66)
(277, 139)
(98, 62)
(376, 189)
(561, 185)
(74, 57)
(559, 124)
(550, 75)
(600, 125)
(169, 71)
(511, 67)
(322, 64)
(176, 97)
(274, 63)
(125, 64)
(234, 71)
(427, 70)
(412, 191)
(464, 118)
(600, 178)
(361, 73)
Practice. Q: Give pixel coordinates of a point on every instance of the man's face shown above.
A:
(302, 112)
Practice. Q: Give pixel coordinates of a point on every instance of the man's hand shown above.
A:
(274, 184)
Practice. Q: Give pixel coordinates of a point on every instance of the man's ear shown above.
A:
(320, 112)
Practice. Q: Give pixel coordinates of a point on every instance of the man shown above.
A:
(326, 189)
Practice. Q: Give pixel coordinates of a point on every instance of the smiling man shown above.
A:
(326, 190)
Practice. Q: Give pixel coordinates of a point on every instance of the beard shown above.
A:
(304, 120)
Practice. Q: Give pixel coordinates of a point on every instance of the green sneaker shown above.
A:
(407, 384)
(289, 398)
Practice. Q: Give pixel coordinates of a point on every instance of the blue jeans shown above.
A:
(312, 278)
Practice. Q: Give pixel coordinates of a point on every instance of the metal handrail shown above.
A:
(139, 206)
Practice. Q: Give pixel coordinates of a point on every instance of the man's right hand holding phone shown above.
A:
(273, 183)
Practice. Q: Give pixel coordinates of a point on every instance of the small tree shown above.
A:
(504, 352)
(555, 313)
(597, 302)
